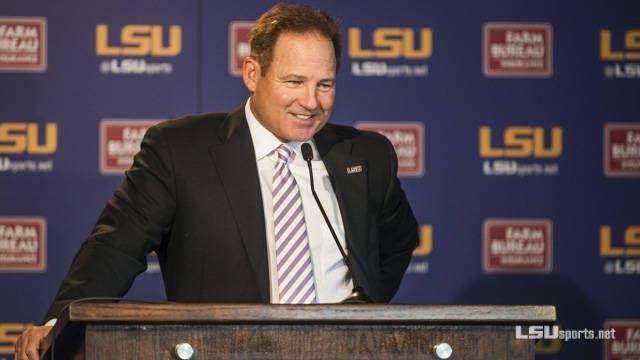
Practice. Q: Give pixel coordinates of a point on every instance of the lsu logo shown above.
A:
(392, 43)
(631, 50)
(140, 40)
(521, 142)
(20, 138)
(420, 264)
(631, 242)
(426, 241)
(9, 333)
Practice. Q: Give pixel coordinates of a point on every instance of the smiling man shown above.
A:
(294, 98)
(225, 199)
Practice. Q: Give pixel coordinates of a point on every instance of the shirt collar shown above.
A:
(264, 142)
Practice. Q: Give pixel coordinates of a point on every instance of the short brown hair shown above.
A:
(294, 18)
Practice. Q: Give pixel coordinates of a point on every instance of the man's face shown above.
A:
(295, 97)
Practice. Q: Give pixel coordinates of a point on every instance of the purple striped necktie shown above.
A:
(295, 272)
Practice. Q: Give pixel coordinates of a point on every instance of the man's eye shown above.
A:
(325, 86)
(294, 82)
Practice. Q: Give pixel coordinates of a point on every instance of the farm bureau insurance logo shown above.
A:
(136, 47)
(22, 244)
(622, 257)
(518, 50)
(239, 47)
(626, 344)
(390, 51)
(517, 245)
(523, 151)
(620, 53)
(23, 44)
(23, 145)
(408, 141)
(119, 142)
(621, 151)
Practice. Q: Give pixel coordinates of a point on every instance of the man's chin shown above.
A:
(302, 136)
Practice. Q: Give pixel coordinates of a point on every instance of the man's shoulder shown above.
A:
(195, 121)
(357, 136)
(200, 125)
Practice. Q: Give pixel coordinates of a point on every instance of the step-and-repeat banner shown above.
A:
(517, 128)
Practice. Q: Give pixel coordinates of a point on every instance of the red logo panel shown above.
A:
(626, 345)
(22, 244)
(407, 139)
(522, 50)
(239, 47)
(119, 142)
(23, 44)
(621, 151)
(517, 245)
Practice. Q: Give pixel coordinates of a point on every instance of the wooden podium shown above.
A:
(202, 331)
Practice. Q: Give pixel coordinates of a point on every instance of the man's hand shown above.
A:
(29, 344)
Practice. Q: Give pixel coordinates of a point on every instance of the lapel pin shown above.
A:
(354, 169)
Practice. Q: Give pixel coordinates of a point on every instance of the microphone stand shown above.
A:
(358, 296)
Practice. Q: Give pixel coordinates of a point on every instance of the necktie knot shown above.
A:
(284, 154)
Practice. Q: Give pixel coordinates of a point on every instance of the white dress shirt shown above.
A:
(333, 283)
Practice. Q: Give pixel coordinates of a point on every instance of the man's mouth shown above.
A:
(303, 117)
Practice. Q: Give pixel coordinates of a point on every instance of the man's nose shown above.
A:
(309, 98)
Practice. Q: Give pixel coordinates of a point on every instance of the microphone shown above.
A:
(358, 296)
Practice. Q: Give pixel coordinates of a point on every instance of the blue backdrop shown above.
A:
(517, 125)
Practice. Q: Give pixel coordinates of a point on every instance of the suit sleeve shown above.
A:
(131, 225)
(398, 232)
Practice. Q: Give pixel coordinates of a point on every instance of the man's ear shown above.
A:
(250, 73)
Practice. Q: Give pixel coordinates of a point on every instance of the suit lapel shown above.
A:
(235, 162)
(348, 174)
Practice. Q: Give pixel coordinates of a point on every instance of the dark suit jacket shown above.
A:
(193, 196)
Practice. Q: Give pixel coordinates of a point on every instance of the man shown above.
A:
(224, 199)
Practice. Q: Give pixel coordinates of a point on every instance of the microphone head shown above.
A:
(307, 153)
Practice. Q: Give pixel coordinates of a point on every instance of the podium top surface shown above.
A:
(320, 313)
